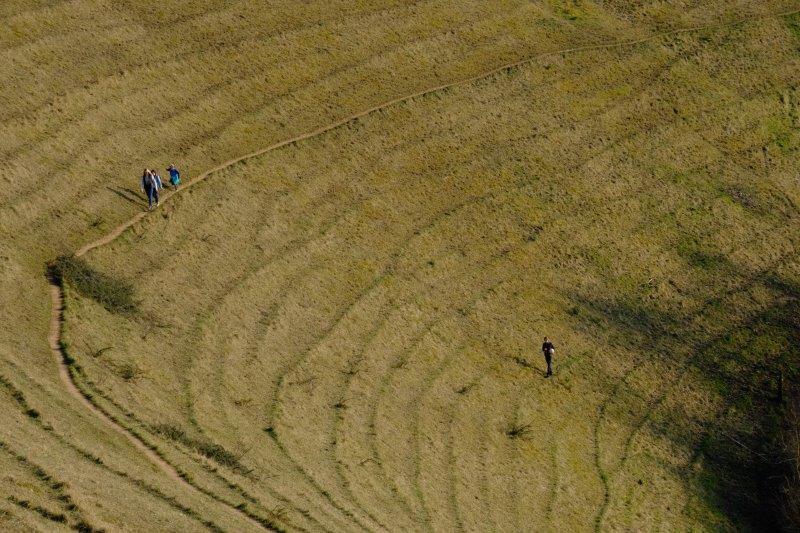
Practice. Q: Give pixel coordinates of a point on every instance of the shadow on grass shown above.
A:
(113, 294)
(128, 195)
(749, 365)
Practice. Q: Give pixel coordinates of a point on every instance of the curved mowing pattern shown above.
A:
(402, 393)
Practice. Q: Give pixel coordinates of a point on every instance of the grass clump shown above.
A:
(60, 518)
(128, 371)
(19, 398)
(204, 447)
(113, 294)
(518, 431)
(218, 454)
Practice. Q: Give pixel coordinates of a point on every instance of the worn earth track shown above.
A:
(57, 293)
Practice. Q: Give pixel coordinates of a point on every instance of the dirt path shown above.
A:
(56, 318)
(116, 232)
(56, 292)
(56, 300)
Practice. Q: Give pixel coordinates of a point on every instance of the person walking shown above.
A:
(174, 176)
(548, 349)
(150, 187)
(159, 183)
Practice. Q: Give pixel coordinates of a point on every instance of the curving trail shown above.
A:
(57, 300)
(54, 338)
(116, 232)
(56, 290)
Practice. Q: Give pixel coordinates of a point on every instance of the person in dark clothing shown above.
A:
(548, 350)
(150, 187)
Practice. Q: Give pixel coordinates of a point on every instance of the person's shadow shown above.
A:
(127, 194)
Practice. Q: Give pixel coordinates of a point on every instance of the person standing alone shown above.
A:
(548, 350)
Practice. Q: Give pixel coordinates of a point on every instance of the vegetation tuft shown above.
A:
(204, 447)
(19, 398)
(113, 294)
(41, 511)
(518, 431)
(128, 371)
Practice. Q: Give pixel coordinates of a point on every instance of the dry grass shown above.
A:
(366, 294)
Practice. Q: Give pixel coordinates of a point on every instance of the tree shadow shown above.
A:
(749, 365)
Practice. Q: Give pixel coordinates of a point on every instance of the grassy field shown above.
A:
(342, 333)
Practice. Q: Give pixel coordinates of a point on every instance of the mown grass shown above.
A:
(81, 117)
(625, 227)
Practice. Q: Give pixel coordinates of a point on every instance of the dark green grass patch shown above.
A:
(113, 294)
(793, 22)
(699, 256)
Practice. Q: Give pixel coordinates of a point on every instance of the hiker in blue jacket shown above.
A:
(150, 187)
(174, 176)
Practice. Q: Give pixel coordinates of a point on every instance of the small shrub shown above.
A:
(465, 388)
(83, 527)
(279, 513)
(128, 371)
(25, 504)
(50, 515)
(113, 294)
(101, 351)
(172, 432)
(518, 431)
(204, 447)
(41, 474)
(218, 454)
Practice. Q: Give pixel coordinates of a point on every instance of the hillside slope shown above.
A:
(342, 333)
